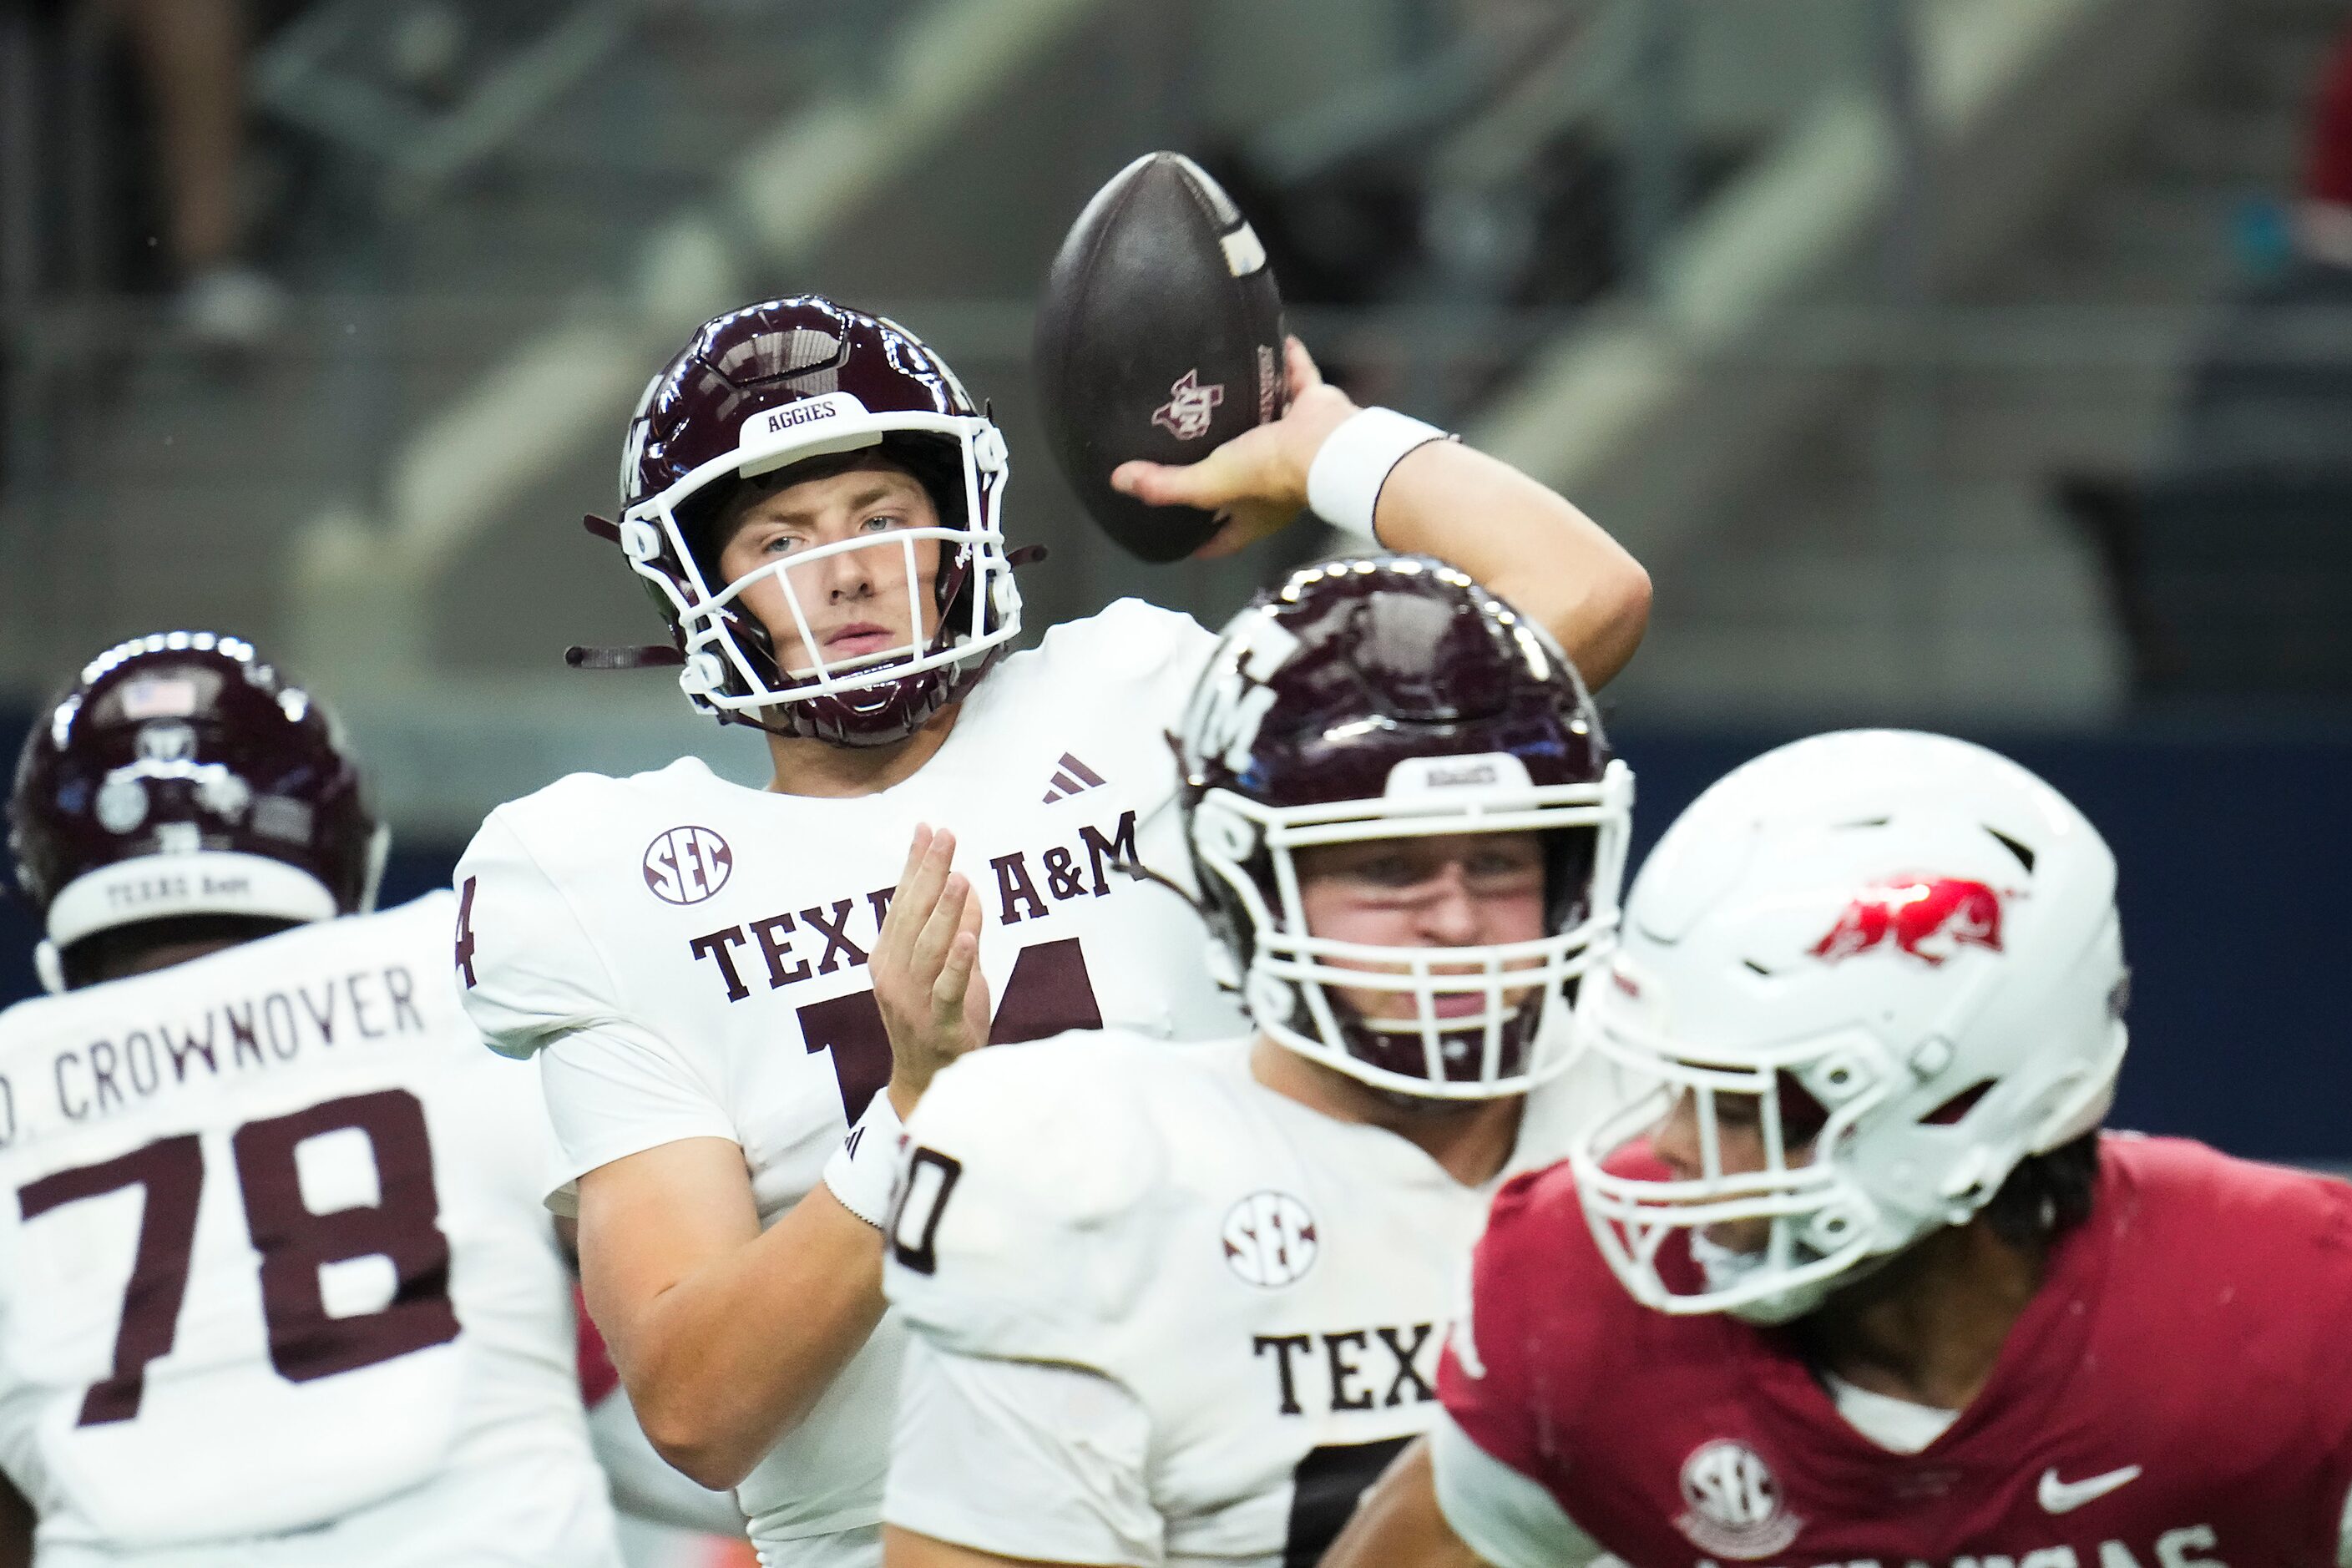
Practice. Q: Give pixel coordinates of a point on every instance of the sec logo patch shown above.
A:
(1270, 1240)
(1735, 1508)
(688, 865)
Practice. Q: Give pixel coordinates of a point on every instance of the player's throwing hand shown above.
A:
(925, 969)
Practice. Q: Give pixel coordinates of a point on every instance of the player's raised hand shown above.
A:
(925, 969)
(1257, 481)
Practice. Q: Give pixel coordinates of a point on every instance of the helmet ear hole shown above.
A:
(1271, 1000)
(1219, 831)
(640, 540)
(1831, 1228)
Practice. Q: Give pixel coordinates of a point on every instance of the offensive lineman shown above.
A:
(1181, 1304)
(720, 983)
(276, 1283)
(1881, 1291)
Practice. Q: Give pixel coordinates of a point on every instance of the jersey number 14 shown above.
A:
(1048, 993)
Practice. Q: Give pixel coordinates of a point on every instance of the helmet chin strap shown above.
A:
(648, 656)
(1728, 1269)
(49, 966)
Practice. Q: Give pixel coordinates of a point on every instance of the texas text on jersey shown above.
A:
(689, 955)
(1256, 1290)
(392, 1378)
(2179, 1391)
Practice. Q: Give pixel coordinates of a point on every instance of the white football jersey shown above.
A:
(1265, 1288)
(276, 1283)
(688, 955)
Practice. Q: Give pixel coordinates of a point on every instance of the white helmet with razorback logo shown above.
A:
(1898, 955)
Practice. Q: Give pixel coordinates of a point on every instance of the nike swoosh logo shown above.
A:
(2065, 1496)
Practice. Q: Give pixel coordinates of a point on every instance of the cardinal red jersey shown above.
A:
(2179, 1393)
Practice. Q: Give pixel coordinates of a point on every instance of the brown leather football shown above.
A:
(1159, 337)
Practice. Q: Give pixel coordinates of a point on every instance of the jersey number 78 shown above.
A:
(294, 1244)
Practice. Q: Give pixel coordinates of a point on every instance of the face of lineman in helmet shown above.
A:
(1740, 1148)
(1459, 890)
(855, 602)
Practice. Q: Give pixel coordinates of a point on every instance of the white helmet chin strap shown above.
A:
(49, 967)
(1729, 1272)
(1294, 982)
(719, 675)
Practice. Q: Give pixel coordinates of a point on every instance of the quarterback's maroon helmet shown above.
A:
(1371, 699)
(777, 384)
(183, 775)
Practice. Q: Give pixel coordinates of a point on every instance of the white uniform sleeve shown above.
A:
(1507, 1519)
(617, 1092)
(1022, 1460)
(2344, 1535)
(534, 983)
(527, 968)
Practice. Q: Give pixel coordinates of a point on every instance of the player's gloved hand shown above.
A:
(1257, 481)
(925, 969)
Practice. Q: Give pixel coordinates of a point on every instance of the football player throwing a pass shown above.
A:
(736, 994)
(1864, 1281)
(1180, 1305)
(276, 1285)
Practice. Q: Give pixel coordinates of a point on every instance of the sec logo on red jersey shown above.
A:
(1735, 1503)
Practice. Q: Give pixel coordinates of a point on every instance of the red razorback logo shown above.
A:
(1913, 912)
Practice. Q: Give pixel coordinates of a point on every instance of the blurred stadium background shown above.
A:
(1976, 364)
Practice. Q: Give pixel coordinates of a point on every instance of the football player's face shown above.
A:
(855, 602)
(1462, 889)
(1678, 1139)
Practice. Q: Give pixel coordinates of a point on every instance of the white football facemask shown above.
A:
(719, 674)
(1291, 972)
(1864, 977)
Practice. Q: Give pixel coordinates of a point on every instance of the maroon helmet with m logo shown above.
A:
(1366, 700)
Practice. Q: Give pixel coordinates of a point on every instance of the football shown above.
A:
(1159, 337)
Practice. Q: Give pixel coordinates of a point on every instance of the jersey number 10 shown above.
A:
(295, 1244)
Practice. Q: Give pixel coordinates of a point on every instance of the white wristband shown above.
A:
(862, 1170)
(1343, 483)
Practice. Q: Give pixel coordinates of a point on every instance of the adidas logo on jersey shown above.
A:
(1071, 777)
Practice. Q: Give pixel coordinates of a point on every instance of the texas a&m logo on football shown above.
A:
(1190, 407)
